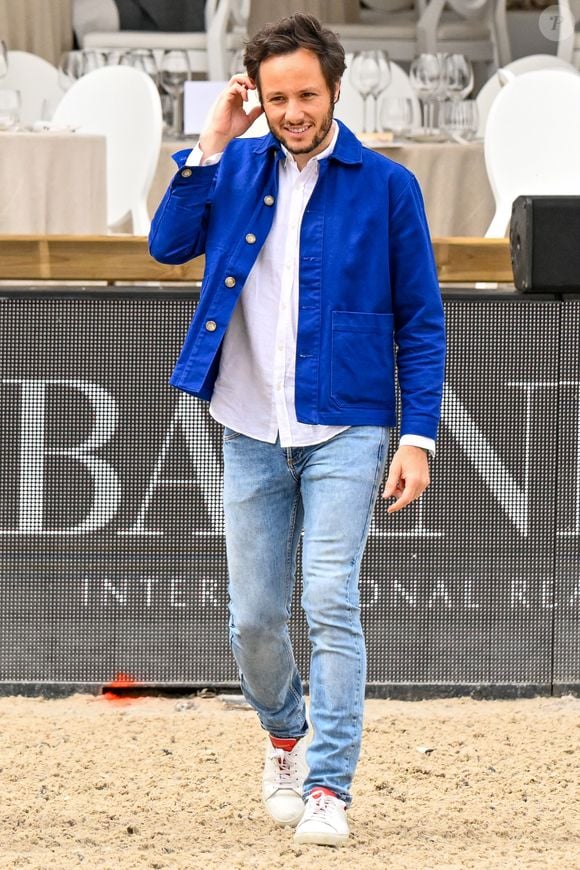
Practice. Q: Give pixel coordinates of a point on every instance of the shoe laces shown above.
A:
(286, 768)
(319, 803)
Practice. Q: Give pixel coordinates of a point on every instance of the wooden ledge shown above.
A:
(126, 258)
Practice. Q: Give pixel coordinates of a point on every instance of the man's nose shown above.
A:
(294, 110)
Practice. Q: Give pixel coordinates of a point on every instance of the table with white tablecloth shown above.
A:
(458, 198)
(43, 27)
(53, 183)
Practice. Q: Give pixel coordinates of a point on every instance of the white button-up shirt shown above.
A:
(254, 390)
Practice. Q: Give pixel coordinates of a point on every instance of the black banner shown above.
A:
(111, 533)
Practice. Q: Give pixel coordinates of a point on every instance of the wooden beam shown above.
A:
(125, 258)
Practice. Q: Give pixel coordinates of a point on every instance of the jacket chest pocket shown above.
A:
(362, 360)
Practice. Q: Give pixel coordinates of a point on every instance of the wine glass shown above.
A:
(384, 80)
(70, 68)
(9, 108)
(174, 72)
(144, 60)
(425, 75)
(365, 77)
(459, 119)
(397, 115)
(93, 59)
(458, 76)
(3, 59)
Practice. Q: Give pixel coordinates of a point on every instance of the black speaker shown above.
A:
(545, 243)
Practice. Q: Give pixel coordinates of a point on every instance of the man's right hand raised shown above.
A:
(228, 118)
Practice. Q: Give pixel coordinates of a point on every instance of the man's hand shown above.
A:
(228, 118)
(408, 477)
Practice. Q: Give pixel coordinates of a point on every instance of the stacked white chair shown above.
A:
(37, 81)
(122, 104)
(518, 67)
(568, 35)
(532, 141)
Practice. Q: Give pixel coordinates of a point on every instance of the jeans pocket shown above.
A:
(230, 434)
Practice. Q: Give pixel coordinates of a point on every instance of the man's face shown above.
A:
(297, 103)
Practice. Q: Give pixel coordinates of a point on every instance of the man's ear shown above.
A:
(337, 93)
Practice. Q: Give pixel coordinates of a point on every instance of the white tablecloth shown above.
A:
(53, 183)
(458, 198)
(43, 27)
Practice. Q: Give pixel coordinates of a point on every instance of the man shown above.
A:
(318, 258)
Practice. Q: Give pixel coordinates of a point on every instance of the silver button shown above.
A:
(251, 239)
(230, 281)
(268, 200)
(211, 326)
(185, 173)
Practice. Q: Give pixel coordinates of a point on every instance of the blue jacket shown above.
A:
(367, 279)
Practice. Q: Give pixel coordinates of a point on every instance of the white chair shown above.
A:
(568, 36)
(350, 105)
(476, 28)
(122, 104)
(91, 16)
(494, 84)
(37, 81)
(532, 141)
(210, 52)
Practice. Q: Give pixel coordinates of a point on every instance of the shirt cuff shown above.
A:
(196, 158)
(427, 444)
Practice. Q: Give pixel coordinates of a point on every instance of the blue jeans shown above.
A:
(270, 494)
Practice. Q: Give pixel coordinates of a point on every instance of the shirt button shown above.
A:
(251, 239)
(211, 326)
(185, 173)
(268, 200)
(230, 281)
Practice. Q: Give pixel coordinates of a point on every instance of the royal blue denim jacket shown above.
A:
(368, 281)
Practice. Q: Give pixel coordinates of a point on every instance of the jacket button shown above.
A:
(211, 326)
(268, 200)
(251, 239)
(230, 281)
(185, 173)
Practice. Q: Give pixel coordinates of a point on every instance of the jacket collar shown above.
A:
(348, 148)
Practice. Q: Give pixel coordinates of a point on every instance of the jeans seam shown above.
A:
(289, 543)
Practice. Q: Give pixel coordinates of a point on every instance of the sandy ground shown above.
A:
(175, 783)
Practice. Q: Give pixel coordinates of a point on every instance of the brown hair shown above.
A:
(290, 34)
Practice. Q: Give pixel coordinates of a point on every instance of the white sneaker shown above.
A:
(324, 821)
(283, 780)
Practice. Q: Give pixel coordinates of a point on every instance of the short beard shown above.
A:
(318, 140)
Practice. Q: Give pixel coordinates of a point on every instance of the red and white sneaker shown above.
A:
(285, 770)
(324, 821)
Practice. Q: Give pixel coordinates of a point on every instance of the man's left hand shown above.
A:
(408, 477)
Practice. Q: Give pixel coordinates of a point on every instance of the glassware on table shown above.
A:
(9, 108)
(384, 80)
(93, 59)
(365, 77)
(115, 56)
(143, 59)
(70, 68)
(458, 76)
(174, 72)
(396, 116)
(3, 59)
(425, 75)
(459, 119)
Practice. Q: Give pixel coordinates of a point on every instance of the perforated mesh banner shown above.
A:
(111, 532)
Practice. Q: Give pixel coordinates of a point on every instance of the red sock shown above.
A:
(285, 743)
(320, 788)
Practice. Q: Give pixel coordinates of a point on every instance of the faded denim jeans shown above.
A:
(270, 494)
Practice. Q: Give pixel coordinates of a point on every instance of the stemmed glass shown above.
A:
(384, 80)
(9, 109)
(458, 76)
(144, 60)
(93, 59)
(70, 68)
(425, 75)
(365, 77)
(174, 72)
(3, 59)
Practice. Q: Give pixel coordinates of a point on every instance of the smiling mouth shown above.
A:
(297, 131)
